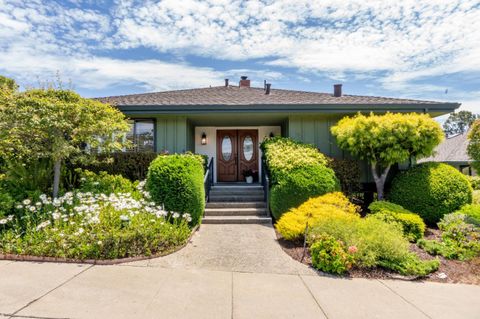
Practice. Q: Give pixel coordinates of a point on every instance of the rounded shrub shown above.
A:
(330, 255)
(297, 186)
(176, 181)
(431, 190)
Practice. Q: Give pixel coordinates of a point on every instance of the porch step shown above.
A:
(236, 205)
(236, 220)
(261, 212)
(236, 191)
(235, 198)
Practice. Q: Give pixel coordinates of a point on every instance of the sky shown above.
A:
(412, 49)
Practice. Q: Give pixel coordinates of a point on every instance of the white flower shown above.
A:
(19, 206)
(176, 215)
(99, 242)
(81, 230)
(38, 204)
(124, 218)
(32, 208)
(27, 202)
(3, 221)
(43, 225)
(56, 215)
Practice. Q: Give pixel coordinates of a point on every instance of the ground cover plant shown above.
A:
(298, 172)
(92, 226)
(431, 190)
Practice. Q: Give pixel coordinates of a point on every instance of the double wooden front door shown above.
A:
(237, 151)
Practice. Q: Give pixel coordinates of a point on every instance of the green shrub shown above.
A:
(460, 239)
(300, 184)
(283, 154)
(330, 255)
(132, 165)
(472, 213)
(104, 183)
(431, 190)
(377, 243)
(475, 182)
(176, 181)
(412, 225)
(6, 203)
(348, 173)
(476, 197)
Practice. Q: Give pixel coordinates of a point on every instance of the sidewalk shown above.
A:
(226, 272)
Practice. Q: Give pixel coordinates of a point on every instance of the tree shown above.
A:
(8, 84)
(57, 124)
(458, 123)
(384, 140)
(473, 148)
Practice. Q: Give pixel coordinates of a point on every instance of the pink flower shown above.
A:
(352, 249)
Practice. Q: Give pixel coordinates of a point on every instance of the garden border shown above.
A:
(104, 262)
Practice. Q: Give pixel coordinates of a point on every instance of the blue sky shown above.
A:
(414, 49)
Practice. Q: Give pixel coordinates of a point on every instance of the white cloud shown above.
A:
(399, 41)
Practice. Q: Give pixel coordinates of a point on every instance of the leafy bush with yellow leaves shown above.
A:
(292, 224)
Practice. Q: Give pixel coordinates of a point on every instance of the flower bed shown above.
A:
(92, 226)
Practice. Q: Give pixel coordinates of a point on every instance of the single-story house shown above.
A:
(228, 122)
(453, 151)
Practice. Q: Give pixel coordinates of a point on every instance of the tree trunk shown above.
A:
(380, 179)
(56, 177)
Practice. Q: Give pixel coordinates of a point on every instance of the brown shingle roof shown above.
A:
(234, 95)
(452, 149)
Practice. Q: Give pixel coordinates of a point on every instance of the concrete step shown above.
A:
(236, 220)
(236, 212)
(236, 192)
(236, 198)
(237, 186)
(236, 205)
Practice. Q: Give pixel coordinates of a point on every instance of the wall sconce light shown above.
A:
(204, 139)
(271, 134)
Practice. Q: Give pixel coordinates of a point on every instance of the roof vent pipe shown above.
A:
(226, 82)
(267, 89)
(337, 90)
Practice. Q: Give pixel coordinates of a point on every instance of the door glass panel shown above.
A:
(248, 148)
(227, 148)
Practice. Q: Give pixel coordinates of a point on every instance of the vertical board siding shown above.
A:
(172, 134)
(316, 130)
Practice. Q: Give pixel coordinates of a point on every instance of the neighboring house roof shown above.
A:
(451, 150)
(235, 95)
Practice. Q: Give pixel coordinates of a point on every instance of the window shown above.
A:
(142, 135)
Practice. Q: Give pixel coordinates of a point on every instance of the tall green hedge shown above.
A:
(431, 190)
(176, 181)
(298, 171)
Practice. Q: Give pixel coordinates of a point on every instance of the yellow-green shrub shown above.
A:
(293, 223)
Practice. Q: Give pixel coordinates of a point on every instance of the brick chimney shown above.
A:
(244, 82)
(337, 90)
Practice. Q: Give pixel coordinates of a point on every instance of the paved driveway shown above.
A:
(248, 281)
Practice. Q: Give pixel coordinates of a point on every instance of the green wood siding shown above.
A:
(172, 134)
(316, 130)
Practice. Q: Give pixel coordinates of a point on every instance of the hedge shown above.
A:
(176, 181)
(431, 190)
(298, 172)
(412, 224)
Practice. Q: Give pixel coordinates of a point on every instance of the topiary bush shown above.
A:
(475, 181)
(431, 190)
(348, 173)
(292, 224)
(300, 184)
(412, 224)
(176, 181)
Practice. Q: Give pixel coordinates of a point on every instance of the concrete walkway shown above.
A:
(196, 283)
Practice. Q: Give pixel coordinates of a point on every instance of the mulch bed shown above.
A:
(467, 272)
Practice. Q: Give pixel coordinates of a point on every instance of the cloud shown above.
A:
(395, 44)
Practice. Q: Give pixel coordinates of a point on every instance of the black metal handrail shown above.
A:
(266, 185)
(208, 179)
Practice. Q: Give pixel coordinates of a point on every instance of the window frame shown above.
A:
(134, 137)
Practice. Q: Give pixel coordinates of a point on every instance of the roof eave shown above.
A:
(298, 108)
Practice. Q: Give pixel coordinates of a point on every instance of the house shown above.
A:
(453, 151)
(228, 122)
